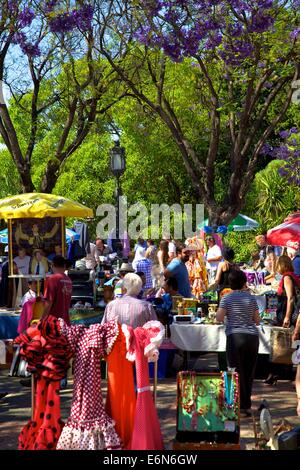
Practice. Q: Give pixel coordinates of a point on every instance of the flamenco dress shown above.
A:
(142, 345)
(121, 397)
(47, 354)
(89, 427)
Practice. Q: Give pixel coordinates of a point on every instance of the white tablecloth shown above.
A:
(211, 338)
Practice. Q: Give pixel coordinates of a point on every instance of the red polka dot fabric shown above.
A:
(89, 427)
(43, 431)
(47, 353)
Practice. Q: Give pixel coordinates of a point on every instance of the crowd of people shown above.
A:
(151, 272)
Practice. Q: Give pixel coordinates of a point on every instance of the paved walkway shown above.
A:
(15, 408)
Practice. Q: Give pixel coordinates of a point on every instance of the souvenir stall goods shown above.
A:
(269, 314)
(121, 398)
(255, 277)
(142, 345)
(89, 427)
(47, 354)
(197, 274)
(208, 408)
(176, 299)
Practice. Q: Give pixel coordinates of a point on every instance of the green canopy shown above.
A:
(241, 223)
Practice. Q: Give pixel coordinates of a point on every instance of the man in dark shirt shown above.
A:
(58, 291)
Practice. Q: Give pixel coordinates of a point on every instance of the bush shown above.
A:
(243, 244)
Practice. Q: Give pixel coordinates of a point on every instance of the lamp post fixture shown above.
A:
(118, 166)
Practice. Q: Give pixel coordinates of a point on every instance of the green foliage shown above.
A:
(9, 177)
(270, 199)
(243, 244)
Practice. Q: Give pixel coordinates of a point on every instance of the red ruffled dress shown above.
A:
(47, 353)
(142, 345)
(89, 427)
(121, 398)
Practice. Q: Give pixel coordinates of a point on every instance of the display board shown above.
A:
(208, 407)
(32, 235)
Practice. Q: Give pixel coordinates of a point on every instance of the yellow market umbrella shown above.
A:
(39, 205)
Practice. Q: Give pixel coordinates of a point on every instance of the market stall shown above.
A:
(211, 338)
(36, 223)
(289, 230)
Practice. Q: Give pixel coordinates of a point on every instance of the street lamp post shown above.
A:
(118, 166)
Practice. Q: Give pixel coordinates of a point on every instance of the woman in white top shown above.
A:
(158, 269)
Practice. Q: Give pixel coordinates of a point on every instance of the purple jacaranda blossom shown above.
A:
(13, 6)
(50, 5)
(284, 134)
(66, 22)
(266, 149)
(295, 33)
(25, 17)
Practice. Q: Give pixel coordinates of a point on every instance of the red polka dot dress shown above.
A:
(89, 427)
(47, 353)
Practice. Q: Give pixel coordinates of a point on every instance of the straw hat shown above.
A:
(126, 268)
(192, 247)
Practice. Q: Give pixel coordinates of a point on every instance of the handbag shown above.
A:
(281, 345)
(19, 365)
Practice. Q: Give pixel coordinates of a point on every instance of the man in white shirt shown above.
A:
(91, 259)
(171, 248)
(213, 257)
(22, 261)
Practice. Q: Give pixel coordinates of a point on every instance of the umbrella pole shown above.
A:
(63, 235)
(10, 251)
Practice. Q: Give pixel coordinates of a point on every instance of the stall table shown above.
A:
(8, 325)
(211, 338)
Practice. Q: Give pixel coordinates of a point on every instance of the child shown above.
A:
(31, 293)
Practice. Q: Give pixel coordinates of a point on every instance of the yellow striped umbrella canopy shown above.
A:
(39, 205)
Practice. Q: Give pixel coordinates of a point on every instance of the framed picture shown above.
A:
(203, 412)
(33, 242)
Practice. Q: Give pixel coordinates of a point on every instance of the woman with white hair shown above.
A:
(128, 309)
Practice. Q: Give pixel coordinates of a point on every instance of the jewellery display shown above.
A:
(207, 403)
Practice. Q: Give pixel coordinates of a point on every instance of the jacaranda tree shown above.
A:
(57, 83)
(244, 62)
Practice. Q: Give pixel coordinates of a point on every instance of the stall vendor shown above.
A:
(213, 257)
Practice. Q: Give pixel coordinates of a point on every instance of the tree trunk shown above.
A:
(50, 177)
(224, 214)
(26, 181)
